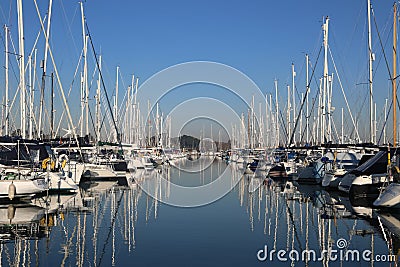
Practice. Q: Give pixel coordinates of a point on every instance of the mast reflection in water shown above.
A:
(108, 224)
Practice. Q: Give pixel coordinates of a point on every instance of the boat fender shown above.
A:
(396, 169)
(63, 158)
(63, 163)
(396, 174)
(46, 161)
(11, 191)
(10, 212)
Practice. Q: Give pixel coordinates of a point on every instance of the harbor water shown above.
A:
(259, 222)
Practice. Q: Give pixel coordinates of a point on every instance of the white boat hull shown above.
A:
(23, 187)
(390, 197)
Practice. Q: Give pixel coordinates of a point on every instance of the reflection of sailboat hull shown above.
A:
(391, 222)
(278, 171)
(58, 182)
(367, 185)
(52, 203)
(98, 186)
(332, 178)
(20, 213)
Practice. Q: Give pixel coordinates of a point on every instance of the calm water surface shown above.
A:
(107, 224)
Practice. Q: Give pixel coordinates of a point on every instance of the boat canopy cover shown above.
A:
(28, 153)
(376, 164)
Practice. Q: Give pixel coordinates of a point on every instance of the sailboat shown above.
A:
(390, 196)
(18, 178)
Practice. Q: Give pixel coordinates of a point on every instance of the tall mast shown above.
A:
(85, 87)
(136, 113)
(394, 74)
(252, 124)
(6, 78)
(319, 135)
(30, 131)
(294, 102)
(116, 103)
(44, 69)
(21, 68)
(384, 126)
(301, 122)
(276, 112)
(342, 129)
(325, 81)
(288, 114)
(269, 128)
(98, 107)
(132, 112)
(148, 123)
(266, 124)
(170, 131)
(370, 59)
(52, 108)
(329, 107)
(82, 104)
(307, 104)
(33, 92)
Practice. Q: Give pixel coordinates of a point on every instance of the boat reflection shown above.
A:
(303, 217)
(105, 222)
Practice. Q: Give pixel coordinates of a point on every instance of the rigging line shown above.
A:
(4, 15)
(65, 102)
(69, 24)
(359, 112)
(121, 79)
(309, 128)
(344, 95)
(111, 227)
(380, 42)
(294, 225)
(387, 116)
(13, 71)
(304, 99)
(91, 119)
(311, 110)
(104, 87)
(70, 88)
(281, 121)
(387, 39)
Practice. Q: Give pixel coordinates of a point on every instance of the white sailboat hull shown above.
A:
(390, 197)
(20, 214)
(23, 187)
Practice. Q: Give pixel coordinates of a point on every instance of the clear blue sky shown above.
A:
(259, 38)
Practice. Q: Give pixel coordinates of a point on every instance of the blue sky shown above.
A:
(259, 38)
